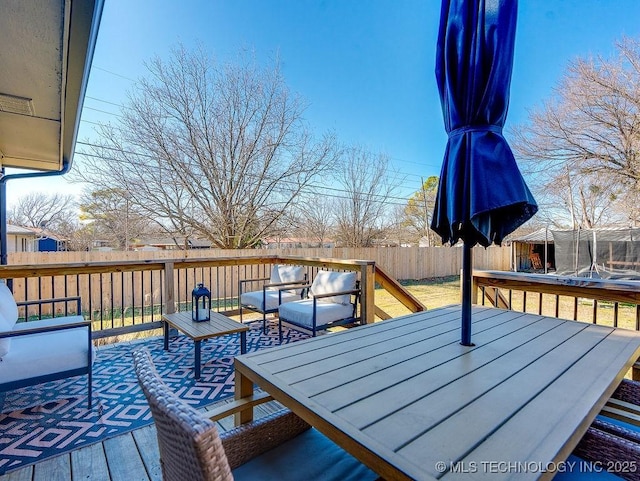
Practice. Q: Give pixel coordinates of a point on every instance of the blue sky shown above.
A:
(365, 67)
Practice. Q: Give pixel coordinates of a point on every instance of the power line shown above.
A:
(102, 111)
(93, 67)
(397, 175)
(107, 102)
(396, 159)
(382, 197)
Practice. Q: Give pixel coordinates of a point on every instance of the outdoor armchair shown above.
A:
(44, 350)
(276, 290)
(333, 300)
(279, 446)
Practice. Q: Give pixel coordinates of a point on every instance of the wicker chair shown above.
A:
(612, 442)
(279, 446)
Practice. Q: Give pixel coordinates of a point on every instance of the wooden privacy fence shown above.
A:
(403, 263)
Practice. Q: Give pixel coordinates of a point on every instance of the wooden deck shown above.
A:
(130, 457)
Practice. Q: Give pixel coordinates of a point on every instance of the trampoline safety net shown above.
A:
(598, 253)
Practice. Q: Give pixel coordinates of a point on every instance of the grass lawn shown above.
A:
(432, 293)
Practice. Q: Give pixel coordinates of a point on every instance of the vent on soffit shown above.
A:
(16, 105)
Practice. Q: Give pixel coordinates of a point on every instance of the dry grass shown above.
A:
(432, 293)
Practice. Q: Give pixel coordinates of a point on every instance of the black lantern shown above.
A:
(201, 304)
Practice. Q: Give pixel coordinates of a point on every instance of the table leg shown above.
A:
(243, 342)
(166, 335)
(243, 389)
(197, 359)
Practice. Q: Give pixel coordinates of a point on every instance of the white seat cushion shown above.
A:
(255, 299)
(47, 353)
(326, 282)
(301, 312)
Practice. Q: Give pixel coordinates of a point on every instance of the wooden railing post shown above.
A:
(367, 301)
(169, 299)
(474, 289)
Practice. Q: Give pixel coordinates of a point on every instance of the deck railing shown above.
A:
(125, 297)
(600, 301)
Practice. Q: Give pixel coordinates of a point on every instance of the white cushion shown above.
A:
(5, 342)
(275, 277)
(301, 312)
(291, 274)
(47, 353)
(255, 299)
(326, 282)
(286, 273)
(8, 307)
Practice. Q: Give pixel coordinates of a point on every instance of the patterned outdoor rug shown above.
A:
(52, 418)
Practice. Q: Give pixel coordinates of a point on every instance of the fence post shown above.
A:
(169, 299)
(367, 301)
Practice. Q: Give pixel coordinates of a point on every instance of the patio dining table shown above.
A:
(408, 400)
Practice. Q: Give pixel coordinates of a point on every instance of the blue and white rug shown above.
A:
(52, 418)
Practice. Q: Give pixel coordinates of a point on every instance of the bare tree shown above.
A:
(316, 218)
(217, 150)
(82, 237)
(113, 215)
(369, 184)
(418, 211)
(585, 142)
(38, 209)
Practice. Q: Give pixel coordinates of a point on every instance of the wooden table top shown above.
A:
(219, 325)
(412, 403)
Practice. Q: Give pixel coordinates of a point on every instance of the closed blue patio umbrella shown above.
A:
(482, 196)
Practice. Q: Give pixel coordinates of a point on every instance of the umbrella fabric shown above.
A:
(482, 196)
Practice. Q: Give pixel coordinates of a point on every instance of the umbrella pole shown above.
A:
(466, 296)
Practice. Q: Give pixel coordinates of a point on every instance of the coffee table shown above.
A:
(219, 325)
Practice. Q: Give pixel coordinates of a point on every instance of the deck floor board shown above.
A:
(89, 463)
(129, 457)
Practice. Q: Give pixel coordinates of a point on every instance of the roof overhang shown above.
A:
(46, 48)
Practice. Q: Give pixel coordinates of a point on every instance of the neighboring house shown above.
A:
(47, 241)
(20, 239)
(169, 243)
(296, 242)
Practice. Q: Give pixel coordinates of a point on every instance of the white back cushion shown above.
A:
(8, 307)
(286, 274)
(326, 282)
(5, 343)
(275, 275)
(291, 273)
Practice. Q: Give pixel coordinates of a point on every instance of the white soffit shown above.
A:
(45, 52)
